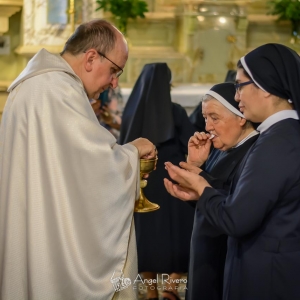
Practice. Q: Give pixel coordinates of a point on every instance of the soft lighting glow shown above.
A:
(222, 20)
(204, 9)
(200, 18)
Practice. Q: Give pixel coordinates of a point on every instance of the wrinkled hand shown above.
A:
(190, 186)
(190, 168)
(198, 148)
(146, 149)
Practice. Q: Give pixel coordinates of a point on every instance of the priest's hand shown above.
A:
(190, 186)
(146, 149)
(198, 148)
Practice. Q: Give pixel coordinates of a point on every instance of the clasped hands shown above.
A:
(190, 185)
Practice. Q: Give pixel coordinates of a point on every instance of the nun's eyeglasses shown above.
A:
(239, 85)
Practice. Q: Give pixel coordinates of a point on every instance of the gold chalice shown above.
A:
(143, 205)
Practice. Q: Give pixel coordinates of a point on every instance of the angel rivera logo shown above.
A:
(120, 282)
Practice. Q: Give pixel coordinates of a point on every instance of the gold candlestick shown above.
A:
(71, 13)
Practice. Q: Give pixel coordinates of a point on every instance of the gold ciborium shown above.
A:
(143, 205)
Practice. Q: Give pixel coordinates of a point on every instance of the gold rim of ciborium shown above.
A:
(147, 165)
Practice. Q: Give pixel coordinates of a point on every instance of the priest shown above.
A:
(67, 189)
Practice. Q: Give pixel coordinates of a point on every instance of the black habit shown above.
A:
(261, 214)
(163, 236)
(262, 219)
(209, 244)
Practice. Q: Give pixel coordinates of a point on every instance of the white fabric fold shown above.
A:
(67, 191)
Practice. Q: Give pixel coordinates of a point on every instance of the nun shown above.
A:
(261, 213)
(196, 116)
(163, 236)
(231, 136)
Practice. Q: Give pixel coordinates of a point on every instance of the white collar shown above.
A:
(279, 116)
(250, 135)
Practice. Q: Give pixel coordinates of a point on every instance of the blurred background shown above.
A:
(199, 40)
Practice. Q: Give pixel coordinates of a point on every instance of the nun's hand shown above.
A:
(191, 185)
(190, 168)
(180, 192)
(198, 148)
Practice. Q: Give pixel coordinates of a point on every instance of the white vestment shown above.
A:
(67, 192)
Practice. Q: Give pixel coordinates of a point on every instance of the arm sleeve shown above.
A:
(214, 182)
(263, 181)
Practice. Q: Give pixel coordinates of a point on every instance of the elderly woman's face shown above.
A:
(225, 125)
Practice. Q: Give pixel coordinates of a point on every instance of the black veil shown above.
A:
(148, 111)
(275, 68)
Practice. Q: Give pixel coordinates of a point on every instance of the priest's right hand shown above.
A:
(198, 148)
(146, 149)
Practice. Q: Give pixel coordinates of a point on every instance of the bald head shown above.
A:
(97, 34)
(97, 52)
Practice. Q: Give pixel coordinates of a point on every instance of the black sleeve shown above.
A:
(214, 182)
(266, 176)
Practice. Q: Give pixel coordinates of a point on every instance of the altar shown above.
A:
(199, 40)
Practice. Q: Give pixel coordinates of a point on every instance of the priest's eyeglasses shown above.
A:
(239, 85)
(116, 74)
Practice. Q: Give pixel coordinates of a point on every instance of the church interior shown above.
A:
(199, 40)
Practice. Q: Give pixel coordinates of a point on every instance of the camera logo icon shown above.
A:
(120, 283)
